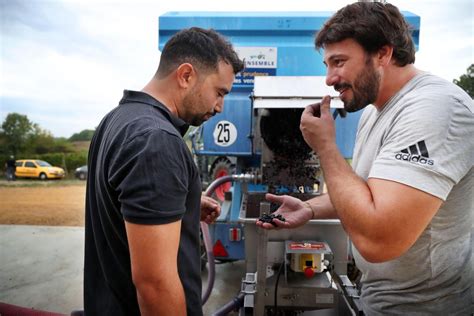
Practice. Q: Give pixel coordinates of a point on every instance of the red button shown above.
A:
(309, 272)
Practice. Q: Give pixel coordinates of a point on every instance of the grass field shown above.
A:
(34, 202)
(38, 183)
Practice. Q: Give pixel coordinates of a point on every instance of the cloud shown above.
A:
(446, 35)
(50, 23)
(67, 69)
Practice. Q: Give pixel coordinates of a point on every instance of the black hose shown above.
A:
(210, 259)
(233, 304)
(208, 242)
(275, 311)
(216, 183)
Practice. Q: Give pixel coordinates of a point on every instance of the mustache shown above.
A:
(339, 86)
(209, 115)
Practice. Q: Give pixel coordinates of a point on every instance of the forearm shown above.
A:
(161, 298)
(322, 207)
(352, 199)
(377, 214)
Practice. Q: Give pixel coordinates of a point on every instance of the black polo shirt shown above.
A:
(141, 171)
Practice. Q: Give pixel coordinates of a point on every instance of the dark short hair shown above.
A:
(372, 25)
(202, 48)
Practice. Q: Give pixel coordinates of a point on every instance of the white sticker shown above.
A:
(258, 57)
(322, 298)
(259, 61)
(225, 133)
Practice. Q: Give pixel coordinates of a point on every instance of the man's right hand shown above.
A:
(295, 212)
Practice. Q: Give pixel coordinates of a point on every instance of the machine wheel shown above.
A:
(82, 176)
(221, 167)
(43, 176)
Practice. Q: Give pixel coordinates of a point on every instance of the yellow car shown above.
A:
(37, 169)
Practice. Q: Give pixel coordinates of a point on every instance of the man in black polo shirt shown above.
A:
(143, 200)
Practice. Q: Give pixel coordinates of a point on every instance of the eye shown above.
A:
(338, 62)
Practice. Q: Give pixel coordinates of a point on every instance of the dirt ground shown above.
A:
(54, 205)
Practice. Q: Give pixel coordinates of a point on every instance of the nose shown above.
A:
(331, 77)
(219, 106)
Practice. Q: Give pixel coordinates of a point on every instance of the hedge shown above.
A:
(67, 161)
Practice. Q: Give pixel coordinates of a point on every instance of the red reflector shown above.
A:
(219, 250)
(235, 234)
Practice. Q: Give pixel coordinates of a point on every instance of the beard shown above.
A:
(191, 104)
(365, 88)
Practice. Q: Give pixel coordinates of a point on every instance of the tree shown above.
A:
(16, 129)
(84, 135)
(40, 141)
(62, 145)
(3, 143)
(466, 81)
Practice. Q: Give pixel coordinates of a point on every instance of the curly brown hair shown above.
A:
(372, 25)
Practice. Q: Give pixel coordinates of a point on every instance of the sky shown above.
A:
(65, 64)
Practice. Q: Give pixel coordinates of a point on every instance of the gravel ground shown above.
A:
(55, 203)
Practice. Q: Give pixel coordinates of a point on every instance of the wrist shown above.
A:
(327, 149)
(308, 205)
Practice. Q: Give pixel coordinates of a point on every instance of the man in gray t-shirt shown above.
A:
(422, 138)
(407, 202)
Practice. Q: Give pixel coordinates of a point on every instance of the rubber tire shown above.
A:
(82, 176)
(43, 176)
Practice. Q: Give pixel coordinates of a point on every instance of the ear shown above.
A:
(384, 55)
(186, 75)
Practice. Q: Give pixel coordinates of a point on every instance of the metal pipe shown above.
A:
(206, 236)
(233, 304)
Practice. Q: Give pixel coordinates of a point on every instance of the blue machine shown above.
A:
(272, 44)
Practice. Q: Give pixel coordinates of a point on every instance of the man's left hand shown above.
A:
(210, 209)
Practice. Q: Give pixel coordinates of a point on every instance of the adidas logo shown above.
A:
(417, 153)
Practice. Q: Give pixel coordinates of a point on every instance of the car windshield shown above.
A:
(42, 163)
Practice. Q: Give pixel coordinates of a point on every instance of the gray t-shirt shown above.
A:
(423, 138)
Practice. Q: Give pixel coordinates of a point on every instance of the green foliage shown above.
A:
(466, 81)
(40, 141)
(55, 159)
(3, 144)
(84, 135)
(3, 160)
(75, 160)
(61, 144)
(27, 140)
(16, 129)
(67, 161)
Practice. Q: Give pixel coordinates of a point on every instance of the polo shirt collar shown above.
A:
(142, 97)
